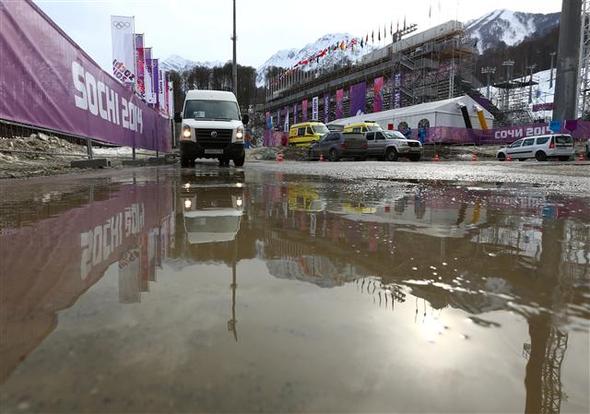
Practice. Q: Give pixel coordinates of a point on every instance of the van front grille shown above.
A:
(214, 138)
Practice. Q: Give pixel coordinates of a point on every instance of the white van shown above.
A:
(211, 128)
(542, 148)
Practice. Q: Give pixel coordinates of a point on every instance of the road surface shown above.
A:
(302, 287)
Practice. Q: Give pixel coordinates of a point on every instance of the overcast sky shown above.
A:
(200, 30)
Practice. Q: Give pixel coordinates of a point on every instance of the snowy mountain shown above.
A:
(179, 64)
(289, 57)
(509, 27)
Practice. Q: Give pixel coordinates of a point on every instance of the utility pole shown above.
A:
(531, 69)
(488, 71)
(568, 62)
(553, 54)
(235, 59)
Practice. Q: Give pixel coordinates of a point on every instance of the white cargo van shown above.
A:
(211, 128)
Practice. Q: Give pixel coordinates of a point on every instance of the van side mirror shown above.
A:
(177, 117)
(245, 120)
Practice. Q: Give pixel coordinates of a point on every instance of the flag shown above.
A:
(140, 65)
(149, 85)
(367, 38)
(404, 22)
(379, 35)
(384, 31)
(156, 81)
(430, 11)
(123, 39)
(171, 99)
(373, 36)
(391, 29)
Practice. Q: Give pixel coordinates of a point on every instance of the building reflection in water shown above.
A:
(474, 249)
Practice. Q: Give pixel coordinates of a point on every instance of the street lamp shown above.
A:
(235, 59)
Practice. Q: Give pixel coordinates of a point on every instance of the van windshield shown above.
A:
(320, 129)
(212, 110)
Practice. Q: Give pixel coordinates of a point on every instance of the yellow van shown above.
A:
(306, 133)
(362, 127)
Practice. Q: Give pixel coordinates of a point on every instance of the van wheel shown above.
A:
(391, 155)
(186, 162)
(541, 156)
(239, 162)
(332, 155)
(501, 157)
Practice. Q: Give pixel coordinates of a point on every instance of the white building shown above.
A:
(445, 113)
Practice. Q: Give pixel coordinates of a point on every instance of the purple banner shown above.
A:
(294, 114)
(339, 103)
(326, 108)
(378, 94)
(358, 99)
(140, 63)
(48, 81)
(304, 110)
(543, 107)
(156, 80)
(499, 136)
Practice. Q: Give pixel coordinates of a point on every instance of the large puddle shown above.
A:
(219, 290)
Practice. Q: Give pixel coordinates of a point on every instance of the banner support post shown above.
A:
(89, 148)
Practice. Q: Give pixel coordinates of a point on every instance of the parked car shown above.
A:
(391, 145)
(306, 133)
(337, 145)
(541, 148)
(588, 148)
(362, 127)
(211, 128)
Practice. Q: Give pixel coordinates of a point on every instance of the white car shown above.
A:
(211, 128)
(541, 148)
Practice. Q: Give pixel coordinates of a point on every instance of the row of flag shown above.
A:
(362, 42)
(134, 65)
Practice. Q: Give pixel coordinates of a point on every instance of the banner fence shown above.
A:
(48, 81)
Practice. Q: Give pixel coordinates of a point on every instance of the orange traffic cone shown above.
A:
(474, 157)
(581, 157)
(436, 157)
(280, 157)
(509, 158)
(322, 157)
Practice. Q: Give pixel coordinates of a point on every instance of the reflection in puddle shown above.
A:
(117, 290)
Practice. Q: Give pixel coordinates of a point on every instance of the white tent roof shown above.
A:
(449, 106)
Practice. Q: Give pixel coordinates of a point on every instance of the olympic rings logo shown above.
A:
(121, 25)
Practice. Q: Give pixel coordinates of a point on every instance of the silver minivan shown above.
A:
(541, 148)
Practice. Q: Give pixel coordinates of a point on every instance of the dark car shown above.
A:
(337, 145)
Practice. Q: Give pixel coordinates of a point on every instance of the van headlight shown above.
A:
(188, 204)
(186, 132)
(240, 134)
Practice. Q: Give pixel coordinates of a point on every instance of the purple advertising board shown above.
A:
(498, 136)
(48, 81)
(358, 98)
(339, 103)
(378, 94)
